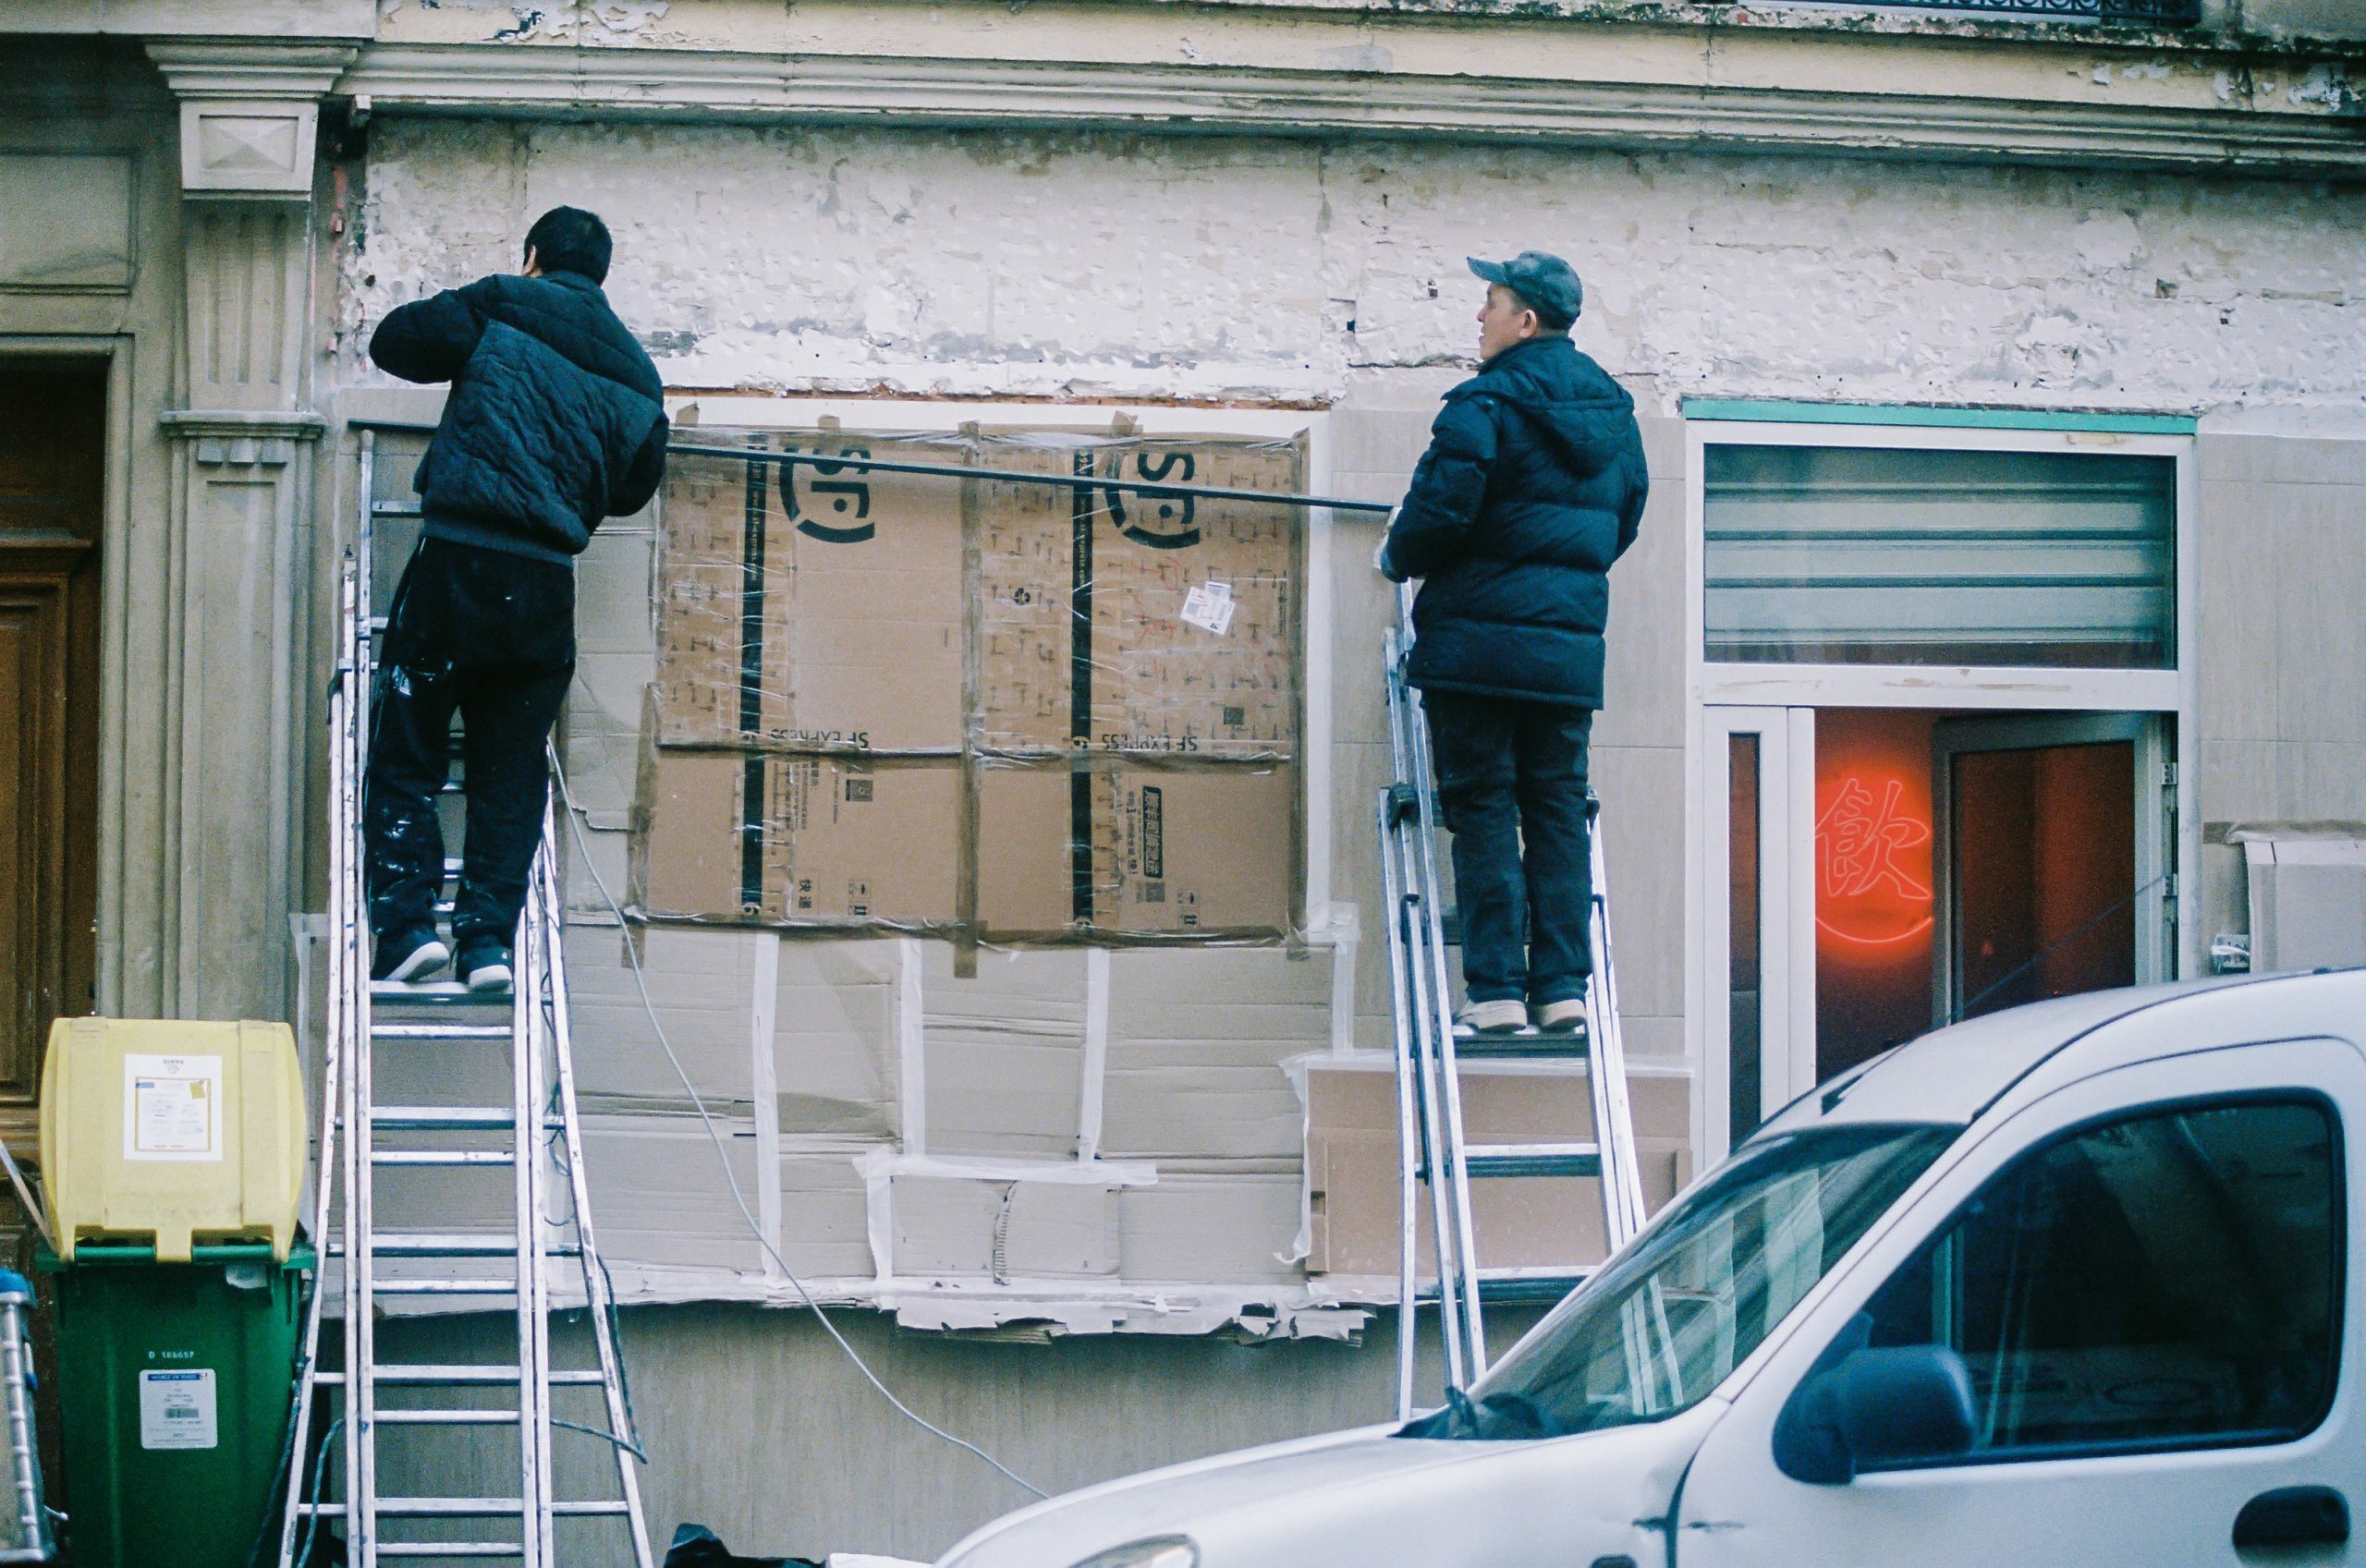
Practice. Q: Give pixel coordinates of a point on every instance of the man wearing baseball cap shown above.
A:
(1532, 485)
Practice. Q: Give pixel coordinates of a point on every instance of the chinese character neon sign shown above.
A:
(1865, 893)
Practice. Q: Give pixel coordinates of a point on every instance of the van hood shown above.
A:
(1353, 1499)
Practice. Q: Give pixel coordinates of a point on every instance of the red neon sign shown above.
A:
(1858, 842)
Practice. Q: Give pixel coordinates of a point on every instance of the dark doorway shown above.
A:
(52, 478)
(2042, 851)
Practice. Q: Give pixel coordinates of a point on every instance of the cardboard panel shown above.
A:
(1351, 1169)
(780, 836)
(834, 1040)
(1004, 1053)
(825, 1216)
(1197, 1039)
(701, 985)
(1004, 1229)
(813, 605)
(658, 1192)
(1115, 621)
(1211, 1228)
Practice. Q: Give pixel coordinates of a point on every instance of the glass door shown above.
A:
(2051, 858)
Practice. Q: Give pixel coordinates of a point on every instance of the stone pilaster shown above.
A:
(244, 438)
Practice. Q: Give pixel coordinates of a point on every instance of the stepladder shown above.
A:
(1439, 1166)
(451, 1179)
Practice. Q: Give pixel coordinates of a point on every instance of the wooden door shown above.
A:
(52, 425)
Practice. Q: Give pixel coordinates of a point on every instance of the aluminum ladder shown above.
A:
(534, 1138)
(1431, 1150)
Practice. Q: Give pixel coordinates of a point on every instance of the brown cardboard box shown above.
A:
(1202, 850)
(736, 836)
(812, 606)
(1189, 642)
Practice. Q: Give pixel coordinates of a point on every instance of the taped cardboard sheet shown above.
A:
(1197, 1039)
(834, 1049)
(1004, 1053)
(700, 984)
(1351, 1166)
(825, 1216)
(1215, 1226)
(658, 1194)
(1112, 718)
(812, 605)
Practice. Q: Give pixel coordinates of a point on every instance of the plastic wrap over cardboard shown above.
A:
(995, 711)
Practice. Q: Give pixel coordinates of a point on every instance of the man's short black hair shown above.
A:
(569, 240)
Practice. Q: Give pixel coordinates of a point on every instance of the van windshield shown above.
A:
(1710, 1279)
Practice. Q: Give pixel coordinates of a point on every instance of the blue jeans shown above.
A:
(1512, 788)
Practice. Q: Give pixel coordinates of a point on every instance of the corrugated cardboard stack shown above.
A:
(996, 710)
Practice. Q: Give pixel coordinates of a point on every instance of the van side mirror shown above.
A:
(1874, 1409)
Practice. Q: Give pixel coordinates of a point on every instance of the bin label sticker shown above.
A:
(172, 1107)
(176, 1409)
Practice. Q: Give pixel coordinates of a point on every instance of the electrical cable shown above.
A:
(723, 1153)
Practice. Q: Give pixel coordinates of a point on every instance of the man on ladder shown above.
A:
(1532, 485)
(555, 421)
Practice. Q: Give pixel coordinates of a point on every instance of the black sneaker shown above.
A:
(407, 957)
(484, 964)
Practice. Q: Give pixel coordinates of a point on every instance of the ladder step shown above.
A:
(443, 1287)
(440, 1031)
(441, 1157)
(449, 1549)
(1528, 1044)
(447, 1418)
(432, 993)
(425, 1244)
(437, 1118)
(427, 1374)
(464, 1508)
(1533, 1159)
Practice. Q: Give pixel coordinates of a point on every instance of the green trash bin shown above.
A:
(174, 1382)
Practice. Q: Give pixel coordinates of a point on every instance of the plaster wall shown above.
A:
(1008, 263)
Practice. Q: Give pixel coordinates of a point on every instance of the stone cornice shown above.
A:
(300, 424)
(1567, 109)
(217, 67)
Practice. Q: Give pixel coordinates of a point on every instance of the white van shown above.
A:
(2063, 1285)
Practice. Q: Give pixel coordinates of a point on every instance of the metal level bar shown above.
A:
(1004, 476)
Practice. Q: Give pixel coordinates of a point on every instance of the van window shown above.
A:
(2167, 1279)
(1671, 1317)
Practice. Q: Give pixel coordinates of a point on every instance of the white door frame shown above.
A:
(1785, 921)
(1711, 687)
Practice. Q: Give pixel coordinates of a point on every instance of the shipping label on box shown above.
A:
(782, 837)
(814, 605)
(1112, 618)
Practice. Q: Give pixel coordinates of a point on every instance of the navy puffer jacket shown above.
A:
(556, 417)
(1532, 485)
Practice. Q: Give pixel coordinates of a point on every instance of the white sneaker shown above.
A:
(1506, 1017)
(1563, 1017)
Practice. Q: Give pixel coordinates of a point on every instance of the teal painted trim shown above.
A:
(1771, 411)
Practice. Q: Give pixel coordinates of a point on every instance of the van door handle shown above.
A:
(2293, 1516)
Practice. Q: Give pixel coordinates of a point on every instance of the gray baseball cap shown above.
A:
(1546, 283)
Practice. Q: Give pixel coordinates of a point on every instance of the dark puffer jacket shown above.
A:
(556, 417)
(1532, 485)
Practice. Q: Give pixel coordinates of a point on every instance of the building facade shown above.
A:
(1992, 632)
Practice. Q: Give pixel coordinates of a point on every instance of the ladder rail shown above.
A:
(541, 1073)
(599, 1299)
(1408, 1206)
(333, 1050)
(1424, 937)
(1431, 1135)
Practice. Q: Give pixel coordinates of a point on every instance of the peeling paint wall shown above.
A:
(969, 263)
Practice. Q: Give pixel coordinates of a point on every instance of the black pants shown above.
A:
(492, 637)
(1512, 788)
